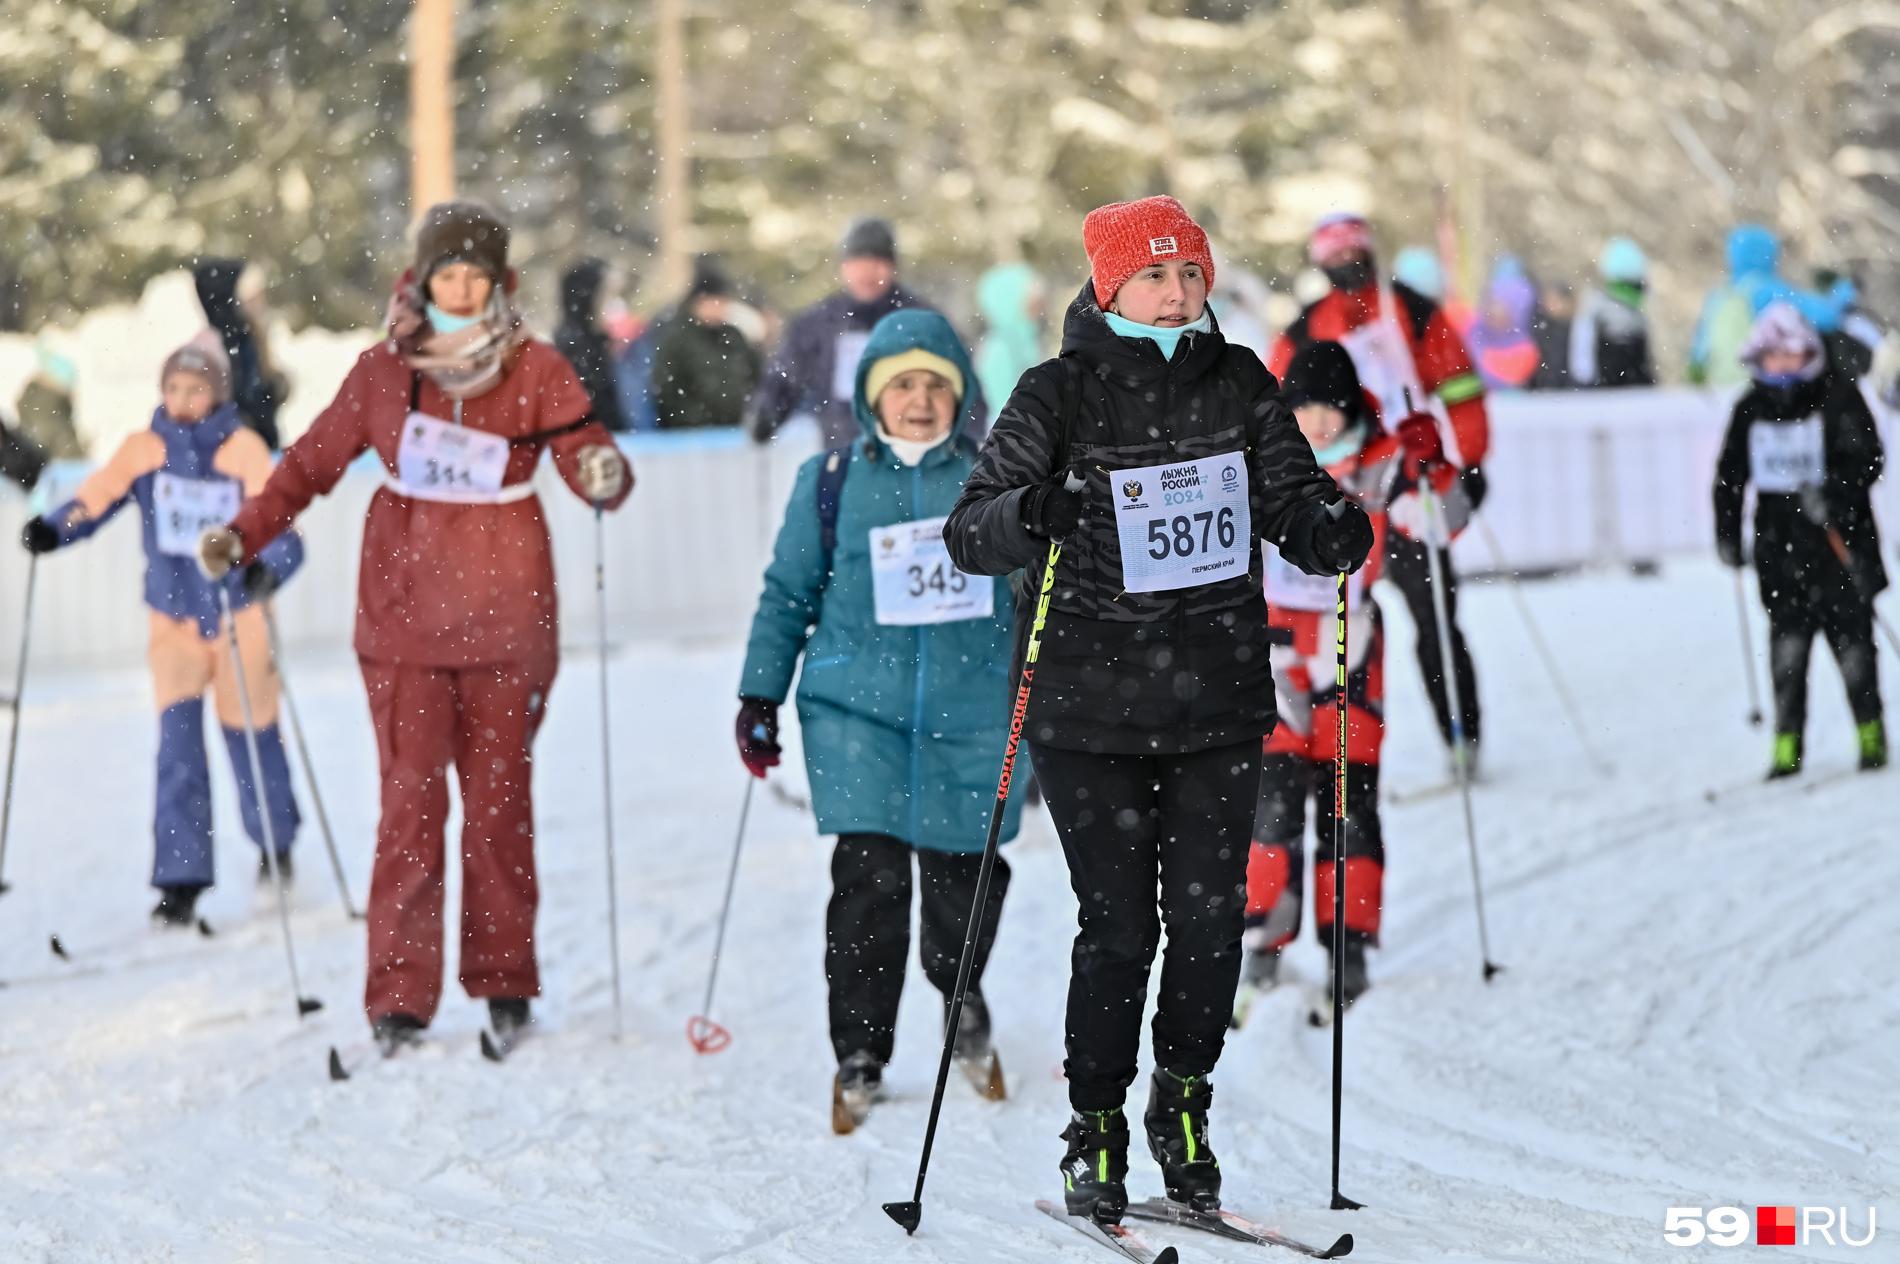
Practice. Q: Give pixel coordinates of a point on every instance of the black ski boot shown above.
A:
(1353, 980)
(1176, 1121)
(1095, 1166)
(396, 1032)
(507, 1015)
(177, 907)
(975, 1056)
(859, 1082)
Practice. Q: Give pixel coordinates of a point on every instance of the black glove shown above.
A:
(260, 581)
(1053, 510)
(1814, 506)
(39, 536)
(1730, 551)
(1342, 537)
(757, 731)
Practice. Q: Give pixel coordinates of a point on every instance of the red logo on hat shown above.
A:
(1163, 246)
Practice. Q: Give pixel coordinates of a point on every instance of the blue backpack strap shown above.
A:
(831, 472)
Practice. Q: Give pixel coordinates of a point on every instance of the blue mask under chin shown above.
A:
(1780, 381)
(444, 323)
(1339, 449)
(1166, 337)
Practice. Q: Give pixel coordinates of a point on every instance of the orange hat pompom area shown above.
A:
(1122, 238)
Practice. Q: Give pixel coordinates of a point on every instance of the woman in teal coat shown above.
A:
(904, 698)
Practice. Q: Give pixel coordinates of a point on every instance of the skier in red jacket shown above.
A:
(1409, 359)
(456, 613)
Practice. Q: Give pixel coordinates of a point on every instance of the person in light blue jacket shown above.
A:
(904, 697)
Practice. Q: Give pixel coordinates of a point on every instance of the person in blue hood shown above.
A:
(903, 701)
(1729, 312)
(188, 471)
(1012, 299)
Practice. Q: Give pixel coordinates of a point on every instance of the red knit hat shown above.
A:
(1122, 238)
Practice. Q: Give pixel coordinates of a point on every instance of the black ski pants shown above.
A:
(1848, 624)
(1131, 824)
(867, 932)
(1410, 570)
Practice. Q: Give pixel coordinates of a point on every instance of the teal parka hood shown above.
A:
(924, 330)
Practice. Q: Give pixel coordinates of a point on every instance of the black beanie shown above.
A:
(465, 232)
(709, 279)
(869, 237)
(1322, 373)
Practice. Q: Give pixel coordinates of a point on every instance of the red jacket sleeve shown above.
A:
(564, 401)
(1444, 369)
(1279, 356)
(312, 465)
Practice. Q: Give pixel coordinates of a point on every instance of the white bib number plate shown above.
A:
(1183, 524)
(1787, 457)
(444, 461)
(915, 583)
(188, 507)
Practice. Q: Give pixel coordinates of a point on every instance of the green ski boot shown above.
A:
(1873, 745)
(1787, 761)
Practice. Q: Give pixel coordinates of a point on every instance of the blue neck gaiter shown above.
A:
(1164, 337)
(443, 323)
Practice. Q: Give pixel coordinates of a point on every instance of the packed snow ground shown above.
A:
(1699, 1007)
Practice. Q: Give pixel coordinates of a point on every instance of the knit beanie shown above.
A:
(1339, 234)
(869, 237)
(1122, 238)
(203, 357)
(883, 371)
(1323, 373)
(461, 232)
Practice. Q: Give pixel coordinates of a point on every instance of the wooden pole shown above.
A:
(672, 156)
(431, 103)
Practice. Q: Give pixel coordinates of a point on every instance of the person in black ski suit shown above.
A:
(1804, 436)
(585, 286)
(256, 388)
(1154, 687)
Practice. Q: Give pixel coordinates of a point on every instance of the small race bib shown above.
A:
(1385, 367)
(439, 460)
(915, 583)
(1291, 588)
(1183, 524)
(844, 370)
(188, 507)
(1787, 457)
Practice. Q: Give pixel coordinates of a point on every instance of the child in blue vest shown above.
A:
(189, 471)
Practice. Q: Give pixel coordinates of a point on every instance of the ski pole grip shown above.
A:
(1337, 509)
(1073, 482)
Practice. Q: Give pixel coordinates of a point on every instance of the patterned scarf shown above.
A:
(467, 362)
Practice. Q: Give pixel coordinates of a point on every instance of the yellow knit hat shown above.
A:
(882, 371)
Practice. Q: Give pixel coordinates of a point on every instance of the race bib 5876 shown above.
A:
(1183, 524)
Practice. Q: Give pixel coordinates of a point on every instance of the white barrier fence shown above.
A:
(1576, 479)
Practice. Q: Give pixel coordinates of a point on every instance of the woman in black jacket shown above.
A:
(1804, 436)
(1154, 687)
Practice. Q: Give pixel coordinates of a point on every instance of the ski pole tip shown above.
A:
(1343, 1203)
(308, 1005)
(909, 1215)
(59, 949)
(1492, 970)
(337, 1072)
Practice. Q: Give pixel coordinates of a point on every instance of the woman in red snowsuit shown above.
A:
(456, 614)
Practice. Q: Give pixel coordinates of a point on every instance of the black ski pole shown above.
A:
(910, 1214)
(19, 692)
(309, 768)
(606, 756)
(706, 1035)
(1748, 652)
(1435, 550)
(305, 1004)
(1340, 1201)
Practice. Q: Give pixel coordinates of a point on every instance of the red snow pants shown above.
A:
(482, 720)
